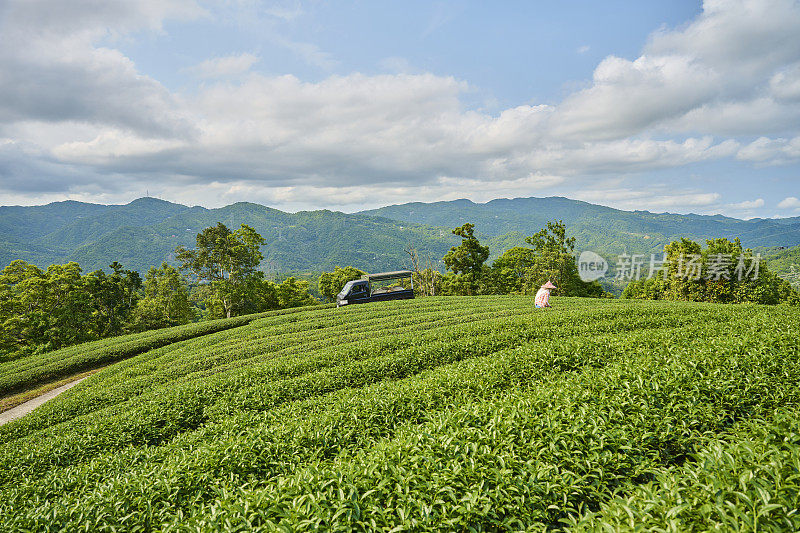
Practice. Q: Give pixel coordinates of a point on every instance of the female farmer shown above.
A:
(543, 295)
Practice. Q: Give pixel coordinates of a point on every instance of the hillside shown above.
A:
(146, 231)
(595, 227)
(786, 263)
(430, 414)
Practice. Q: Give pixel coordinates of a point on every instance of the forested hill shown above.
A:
(594, 226)
(786, 263)
(146, 231)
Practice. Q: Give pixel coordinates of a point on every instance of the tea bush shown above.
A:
(433, 414)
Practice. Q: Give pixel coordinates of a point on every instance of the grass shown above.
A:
(433, 414)
(10, 402)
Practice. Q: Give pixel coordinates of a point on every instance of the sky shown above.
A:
(666, 106)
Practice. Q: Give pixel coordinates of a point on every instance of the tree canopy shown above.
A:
(466, 260)
(48, 309)
(330, 283)
(225, 259)
(723, 272)
(165, 302)
(469, 256)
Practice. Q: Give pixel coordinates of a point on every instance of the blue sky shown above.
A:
(514, 52)
(665, 105)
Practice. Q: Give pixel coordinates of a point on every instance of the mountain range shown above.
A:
(146, 231)
(595, 227)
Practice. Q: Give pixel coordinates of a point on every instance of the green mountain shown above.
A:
(146, 231)
(786, 264)
(595, 227)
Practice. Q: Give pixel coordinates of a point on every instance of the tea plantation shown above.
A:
(445, 414)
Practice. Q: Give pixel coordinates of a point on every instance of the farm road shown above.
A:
(25, 408)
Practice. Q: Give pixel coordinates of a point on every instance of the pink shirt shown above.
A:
(542, 298)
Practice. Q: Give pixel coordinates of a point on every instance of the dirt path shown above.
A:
(25, 408)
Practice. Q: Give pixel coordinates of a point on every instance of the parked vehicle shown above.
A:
(397, 285)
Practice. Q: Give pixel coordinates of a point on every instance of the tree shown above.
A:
(113, 297)
(255, 295)
(723, 273)
(550, 258)
(70, 307)
(510, 271)
(466, 260)
(330, 283)
(682, 258)
(23, 307)
(225, 259)
(166, 300)
(553, 259)
(427, 280)
(45, 310)
(294, 293)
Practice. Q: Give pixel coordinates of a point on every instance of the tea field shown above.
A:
(435, 414)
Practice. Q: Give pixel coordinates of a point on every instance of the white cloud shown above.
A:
(583, 49)
(112, 145)
(785, 84)
(789, 203)
(220, 67)
(655, 199)
(372, 129)
(722, 59)
(367, 196)
(732, 71)
(771, 151)
(632, 155)
(748, 204)
(51, 69)
(49, 20)
(27, 170)
(747, 37)
(628, 97)
(757, 116)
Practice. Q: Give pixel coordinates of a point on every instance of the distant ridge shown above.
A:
(594, 226)
(146, 231)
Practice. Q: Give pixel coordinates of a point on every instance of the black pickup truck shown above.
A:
(397, 285)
